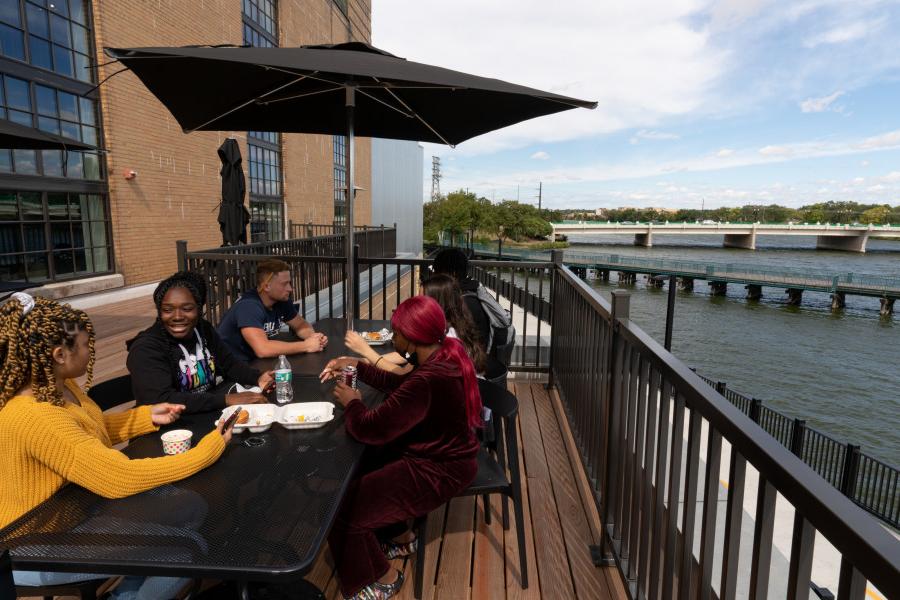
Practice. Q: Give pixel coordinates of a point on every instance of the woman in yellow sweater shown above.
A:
(51, 433)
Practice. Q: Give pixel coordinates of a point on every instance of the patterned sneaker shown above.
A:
(379, 591)
(394, 549)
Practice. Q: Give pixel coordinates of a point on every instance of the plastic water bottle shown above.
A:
(284, 391)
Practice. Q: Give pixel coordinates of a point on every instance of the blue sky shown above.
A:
(723, 102)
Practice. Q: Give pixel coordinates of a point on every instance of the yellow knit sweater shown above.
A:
(42, 447)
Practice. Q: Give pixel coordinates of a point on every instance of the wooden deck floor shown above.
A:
(467, 559)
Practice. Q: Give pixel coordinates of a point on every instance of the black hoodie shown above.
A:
(154, 359)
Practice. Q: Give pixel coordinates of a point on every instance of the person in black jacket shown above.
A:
(181, 358)
(454, 262)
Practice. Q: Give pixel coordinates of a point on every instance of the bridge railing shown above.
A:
(869, 482)
(889, 286)
(655, 440)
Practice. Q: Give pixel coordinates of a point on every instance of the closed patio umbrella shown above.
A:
(350, 89)
(233, 215)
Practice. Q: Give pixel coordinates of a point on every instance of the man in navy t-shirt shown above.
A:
(258, 315)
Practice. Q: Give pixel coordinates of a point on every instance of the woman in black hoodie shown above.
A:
(181, 358)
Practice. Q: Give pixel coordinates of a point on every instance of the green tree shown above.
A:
(877, 215)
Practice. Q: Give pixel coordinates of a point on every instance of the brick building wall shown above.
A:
(177, 188)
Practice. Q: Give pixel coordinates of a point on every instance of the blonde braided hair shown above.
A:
(27, 342)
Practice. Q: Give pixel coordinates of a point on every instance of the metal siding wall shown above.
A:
(397, 190)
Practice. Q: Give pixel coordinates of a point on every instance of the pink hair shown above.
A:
(421, 320)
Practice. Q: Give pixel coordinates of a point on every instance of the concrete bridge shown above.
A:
(851, 238)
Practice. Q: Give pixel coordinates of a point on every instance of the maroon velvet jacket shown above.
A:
(423, 417)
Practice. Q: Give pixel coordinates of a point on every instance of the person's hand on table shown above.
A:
(343, 394)
(355, 342)
(244, 398)
(334, 366)
(314, 343)
(165, 413)
(226, 434)
(266, 381)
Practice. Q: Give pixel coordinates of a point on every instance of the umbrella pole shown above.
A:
(351, 287)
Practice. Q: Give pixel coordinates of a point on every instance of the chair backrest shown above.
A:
(501, 401)
(112, 392)
(7, 587)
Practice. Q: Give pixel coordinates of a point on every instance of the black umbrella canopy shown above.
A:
(20, 137)
(302, 90)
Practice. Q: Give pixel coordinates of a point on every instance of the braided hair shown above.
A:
(27, 342)
(192, 282)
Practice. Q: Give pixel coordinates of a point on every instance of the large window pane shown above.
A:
(101, 260)
(46, 101)
(22, 118)
(5, 161)
(96, 207)
(10, 239)
(68, 106)
(62, 61)
(59, 30)
(77, 11)
(9, 13)
(36, 264)
(25, 162)
(70, 130)
(52, 160)
(57, 207)
(60, 236)
(17, 93)
(87, 111)
(34, 237)
(48, 125)
(31, 206)
(40, 53)
(9, 210)
(37, 20)
(12, 267)
(82, 67)
(12, 42)
(64, 263)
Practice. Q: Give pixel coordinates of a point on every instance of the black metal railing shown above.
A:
(655, 441)
(319, 284)
(872, 484)
(309, 230)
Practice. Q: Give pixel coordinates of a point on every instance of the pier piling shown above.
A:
(795, 296)
(887, 307)
(687, 284)
(754, 292)
(838, 300)
(718, 288)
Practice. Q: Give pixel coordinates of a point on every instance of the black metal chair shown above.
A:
(7, 587)
(112, 393)
(491, 477)
(106, 395)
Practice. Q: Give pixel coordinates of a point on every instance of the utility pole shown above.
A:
(435, 178)
(540, 191)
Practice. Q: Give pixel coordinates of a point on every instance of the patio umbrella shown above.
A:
(20, 137)
(233, 215)
(350, 89)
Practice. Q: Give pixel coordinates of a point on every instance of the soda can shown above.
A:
(348, 375)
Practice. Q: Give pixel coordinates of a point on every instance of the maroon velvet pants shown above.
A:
(400, 490)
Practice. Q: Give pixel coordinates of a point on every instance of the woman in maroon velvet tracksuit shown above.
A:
(424, 434)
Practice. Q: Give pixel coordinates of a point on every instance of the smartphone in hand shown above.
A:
(229, 422)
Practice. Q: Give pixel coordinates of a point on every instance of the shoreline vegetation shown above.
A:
(462, 217)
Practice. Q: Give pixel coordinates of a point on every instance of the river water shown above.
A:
(839, 371)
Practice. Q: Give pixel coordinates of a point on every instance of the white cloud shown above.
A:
(815, 105)
(875, 188)
(844, 33)
(864, 163)
(540, 155)
(724, 153)
(656, 136)
(775, 151)
(892, 177)
(890, 139)
(642, 61)
(859, 179)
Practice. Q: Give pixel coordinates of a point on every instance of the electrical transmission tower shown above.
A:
(435, 177)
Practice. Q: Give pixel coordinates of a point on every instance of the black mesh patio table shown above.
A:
(311, 364)
(260, 513)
